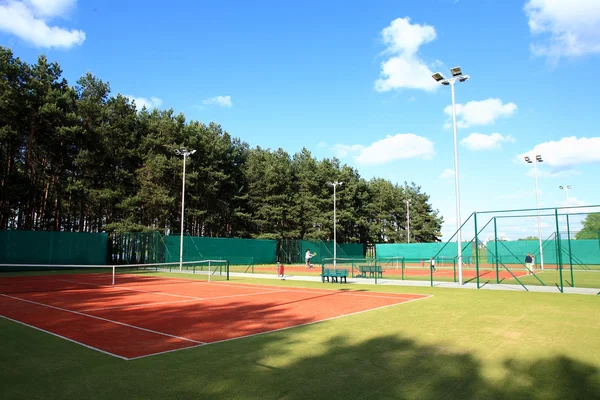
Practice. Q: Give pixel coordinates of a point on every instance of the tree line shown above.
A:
(76, 158)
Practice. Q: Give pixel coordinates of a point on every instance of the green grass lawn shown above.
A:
(459, 344)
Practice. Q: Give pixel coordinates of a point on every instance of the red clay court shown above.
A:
(146, 315)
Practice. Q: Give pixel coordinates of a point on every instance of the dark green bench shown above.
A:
(336, 275)
(371, 269)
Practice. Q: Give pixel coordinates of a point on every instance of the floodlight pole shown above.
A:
(457, 184)
(457, 75)
(407, 220)
(537, 159)
(185, 153)
(334, 184)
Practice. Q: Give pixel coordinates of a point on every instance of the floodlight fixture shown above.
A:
(528, 160)
(463, 78)
(438, 76)
(539, 158)
(456, 71)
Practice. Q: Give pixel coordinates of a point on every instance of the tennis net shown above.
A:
(23, 278)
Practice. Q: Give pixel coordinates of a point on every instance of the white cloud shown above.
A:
(219, 101)
(483, 112)
(479, 141)
(342, 150)
(566, 152)
(572, 202)
(447, 174)
(29, 20)
(404, 69)
(566, 28)
(544, 173)
(521, 194)
(140, 102)
(399, 146)
(322, 145)
(51, 8)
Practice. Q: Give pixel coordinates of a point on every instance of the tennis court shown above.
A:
(144, 314)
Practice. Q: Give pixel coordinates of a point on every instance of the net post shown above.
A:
(113, 274)
(454, 268)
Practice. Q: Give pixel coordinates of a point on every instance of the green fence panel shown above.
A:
(421, 251)
(353, 250)
(45, 247)
(237, 251)
(514, 252)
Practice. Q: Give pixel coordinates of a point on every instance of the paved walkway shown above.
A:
(398, 282)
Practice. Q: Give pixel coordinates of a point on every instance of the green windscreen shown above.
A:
(43, 247)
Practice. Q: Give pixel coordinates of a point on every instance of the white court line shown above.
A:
(179, 301)
(141, 305)
(118, 287)
(103, 319)
(66, 338)
(293, 289)
(289, 327)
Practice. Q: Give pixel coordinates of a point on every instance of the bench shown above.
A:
(337, 275)
(371, 269)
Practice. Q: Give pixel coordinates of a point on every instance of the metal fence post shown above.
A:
(560, 264)
(496, 250)
(570, 252)
(476, 249)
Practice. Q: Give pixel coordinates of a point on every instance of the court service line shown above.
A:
(103, 319)
(141, 305)
(293, 289)
(179, 301)
(118, 287)
(289, 327)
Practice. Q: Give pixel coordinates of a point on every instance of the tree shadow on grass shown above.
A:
(293, 365)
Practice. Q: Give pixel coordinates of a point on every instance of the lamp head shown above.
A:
(528, 160)
(463, 78)
(560, 187)
(456, 71)
(438, 77)
(538, 158)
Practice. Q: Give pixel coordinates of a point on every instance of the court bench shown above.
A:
(337, 275)
(371, 269)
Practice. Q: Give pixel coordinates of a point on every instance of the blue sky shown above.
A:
(352, 79)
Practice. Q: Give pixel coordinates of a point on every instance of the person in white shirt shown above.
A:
(307, 257)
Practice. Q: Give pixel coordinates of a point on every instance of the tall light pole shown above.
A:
(566, 188)
(185, 153)
(334, 184)
(538, 159)
(457, 75)
(407, 220)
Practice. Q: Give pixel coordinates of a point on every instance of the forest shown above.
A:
(78, 158)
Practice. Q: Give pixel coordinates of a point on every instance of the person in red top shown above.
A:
(280, 271)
